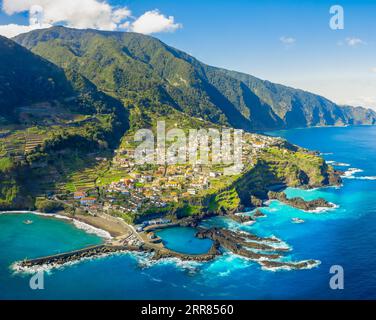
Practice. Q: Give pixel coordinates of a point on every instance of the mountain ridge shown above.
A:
(136, 67)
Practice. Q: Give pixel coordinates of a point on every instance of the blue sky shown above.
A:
(245, 35)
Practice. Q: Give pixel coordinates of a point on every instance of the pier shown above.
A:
(105, 249)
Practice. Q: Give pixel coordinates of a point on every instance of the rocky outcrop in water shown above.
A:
(258, 214)
(275, 265)
(267, 252)
(256, 202)
(300, 203)
(240, 243)
(241, 218)
(164, 253)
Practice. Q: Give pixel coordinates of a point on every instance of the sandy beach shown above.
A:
(115, 227)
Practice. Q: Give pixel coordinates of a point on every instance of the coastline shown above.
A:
(79, 224)
(116, 235)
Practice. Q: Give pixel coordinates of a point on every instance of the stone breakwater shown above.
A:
(74, 256)
(265, 251)
(57, 260)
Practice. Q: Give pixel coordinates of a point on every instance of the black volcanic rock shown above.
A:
(300, 203)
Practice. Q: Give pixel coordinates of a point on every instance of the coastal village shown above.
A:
(140, 201)
(153, 188)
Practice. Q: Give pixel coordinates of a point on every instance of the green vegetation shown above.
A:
(226, 201)
(48, 206)
(127, 217)
(146, 75)
(8, 193)
(62, 119)
(5, 164)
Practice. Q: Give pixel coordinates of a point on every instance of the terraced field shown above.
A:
(16, 142)
(70, 174)
(82, 180)
(13, 146)
(32, 141)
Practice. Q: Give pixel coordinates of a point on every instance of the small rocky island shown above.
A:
(300, 203)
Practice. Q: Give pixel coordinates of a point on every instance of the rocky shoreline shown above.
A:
(300, 203)
(267, 252)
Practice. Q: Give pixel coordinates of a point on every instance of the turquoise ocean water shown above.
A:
(345, 236)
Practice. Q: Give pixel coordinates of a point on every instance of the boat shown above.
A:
(297, 220)
(28, 222)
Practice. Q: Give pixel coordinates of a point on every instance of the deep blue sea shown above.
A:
(345, 236)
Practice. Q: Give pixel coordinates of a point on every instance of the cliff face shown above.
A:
(297, 108)
(26, 78)
(276, 169)
(13, 194)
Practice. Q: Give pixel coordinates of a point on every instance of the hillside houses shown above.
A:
(156, 186)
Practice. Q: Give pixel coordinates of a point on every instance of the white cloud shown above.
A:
(363, 101)
(354, 42)
(36, 18)
(77, 14)
(120, 15)
(153, 22)
(287, 40)
(373, 70)
(12, 30)
(82, 14)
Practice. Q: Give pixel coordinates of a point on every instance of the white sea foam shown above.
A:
(17, 268)
(324, 209)
(349, 174)
(278, 244)
(92, 230)
(190, 266)
(368, 178)
(338, 164)
(224, 273)
(145, 260)
(323, 188)
(363, 178)
(249, 223)
(288, 268)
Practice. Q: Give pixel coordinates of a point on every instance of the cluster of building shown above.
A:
(156, 222)
(158, 186)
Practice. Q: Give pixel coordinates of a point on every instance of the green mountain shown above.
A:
(298, 108)
(67, 103)
(31, 85)
(144, 72)
(50, 121)
(26, 78)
